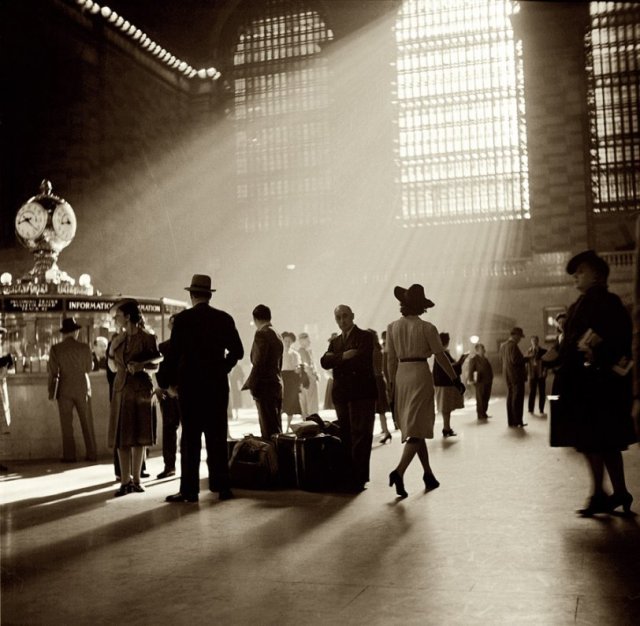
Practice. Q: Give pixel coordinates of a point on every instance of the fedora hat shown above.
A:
(516, 331)
(200, 283)
(414, 296)
(69, 325)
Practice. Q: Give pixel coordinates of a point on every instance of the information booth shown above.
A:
(33, 325)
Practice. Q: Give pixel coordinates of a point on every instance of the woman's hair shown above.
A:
(445, 338)
(132, 309)
(412, 309)
(286, 334)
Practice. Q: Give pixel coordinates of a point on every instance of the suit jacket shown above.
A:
(72, 361)
(481, 365)
(353, 379)
(162, 375)
(205, 346)
(513, 363)
(535, 366)
(266, 358)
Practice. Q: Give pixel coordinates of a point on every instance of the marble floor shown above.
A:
(497, 543)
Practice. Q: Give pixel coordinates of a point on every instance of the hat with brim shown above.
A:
(516, 331)
(69, 325)
(200, 283)
(413, 297)
(590, 258)
(116, 305)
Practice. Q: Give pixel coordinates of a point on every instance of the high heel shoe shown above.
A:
(396, 479)
(430, 482)
(597, 503)
(386, 437)
(623, 499)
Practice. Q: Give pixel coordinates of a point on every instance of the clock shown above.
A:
(64, 222)
(31, 220)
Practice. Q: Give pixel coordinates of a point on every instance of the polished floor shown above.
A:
(497, 543)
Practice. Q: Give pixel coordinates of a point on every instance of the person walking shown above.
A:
(410, 342)
(448, 398)
(481, 376)
(595, 382)
(70, 362)
(205, 346)
(515, 373)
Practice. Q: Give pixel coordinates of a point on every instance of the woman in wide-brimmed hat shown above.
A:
(594, 382)
(410, 342)
(135, 353)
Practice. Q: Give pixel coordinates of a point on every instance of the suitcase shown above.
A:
(310, 463)
(253, 464)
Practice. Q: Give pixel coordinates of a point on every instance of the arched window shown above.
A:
(462, 140)
(281, 97)
(613, 64)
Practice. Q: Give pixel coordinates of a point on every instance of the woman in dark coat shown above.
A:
(135, 353)
(595, 383)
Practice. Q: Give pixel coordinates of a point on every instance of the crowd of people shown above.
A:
(590, 362)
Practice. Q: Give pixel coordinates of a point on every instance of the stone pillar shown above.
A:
(552, 36)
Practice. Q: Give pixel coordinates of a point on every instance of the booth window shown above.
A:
(460, 107)
(281, 103)
(613, 71)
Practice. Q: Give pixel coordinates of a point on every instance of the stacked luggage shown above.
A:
(312, 459)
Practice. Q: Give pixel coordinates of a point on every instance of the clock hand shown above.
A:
(25, 219)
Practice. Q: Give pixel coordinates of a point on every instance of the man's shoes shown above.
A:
(449, 432)
(166, 473)
(144, 475)
(225, 494)
(179, 497)
(522, 425)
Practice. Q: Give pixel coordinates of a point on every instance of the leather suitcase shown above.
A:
(253, 464)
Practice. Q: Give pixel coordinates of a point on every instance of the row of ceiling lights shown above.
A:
(146, 43)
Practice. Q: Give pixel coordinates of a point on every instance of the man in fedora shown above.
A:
(515, 374)
(205, 346)
(354, 392)
(70, 362)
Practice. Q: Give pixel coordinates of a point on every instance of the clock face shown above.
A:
(31, 220)
(64, 222)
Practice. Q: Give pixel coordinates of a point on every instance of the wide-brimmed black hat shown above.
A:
(591, 258)
(516, 331)
(413, 297)
(116, 305)
(69, 325)
(200, 283)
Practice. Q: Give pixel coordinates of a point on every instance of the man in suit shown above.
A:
(205, 346)
(70, 362)
(265, 380)
(481, 375)
(350, 355)
(537, 375)
(170, 408)
(515, 373)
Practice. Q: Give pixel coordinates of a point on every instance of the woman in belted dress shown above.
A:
(135, 353)
(410, 342)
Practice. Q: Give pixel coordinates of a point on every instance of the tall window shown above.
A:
(281, 84)
(613, 53)
(462, 143)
